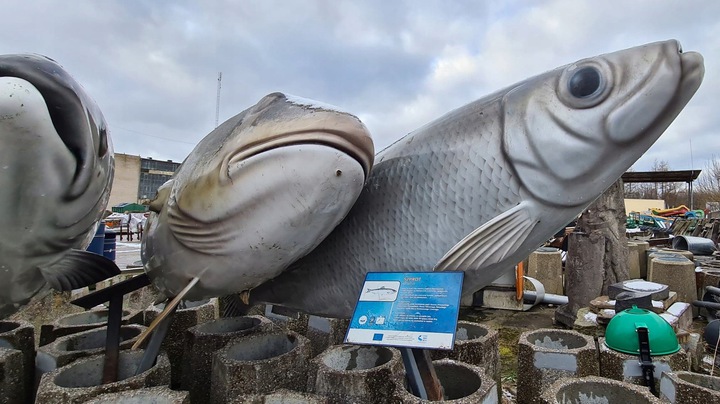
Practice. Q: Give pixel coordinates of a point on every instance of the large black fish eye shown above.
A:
(585, 82)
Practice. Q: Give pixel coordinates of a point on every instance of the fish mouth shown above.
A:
(693, 68)
(356, 144)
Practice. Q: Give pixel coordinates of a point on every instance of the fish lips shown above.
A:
(358, 145)
(649, 112)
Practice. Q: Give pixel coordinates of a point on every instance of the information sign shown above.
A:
(407, 309)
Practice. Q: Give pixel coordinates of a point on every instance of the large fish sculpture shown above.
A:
(56, 170)
(256, 194)
(480, 188)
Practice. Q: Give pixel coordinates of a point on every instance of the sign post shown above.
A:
(413, 311)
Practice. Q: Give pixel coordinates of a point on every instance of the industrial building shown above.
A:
(138, 178)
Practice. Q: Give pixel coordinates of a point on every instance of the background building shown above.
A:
(138, 178)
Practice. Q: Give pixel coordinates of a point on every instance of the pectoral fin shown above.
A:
(78, 269)
(491, 242)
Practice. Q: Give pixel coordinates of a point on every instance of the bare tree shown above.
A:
(707, 186)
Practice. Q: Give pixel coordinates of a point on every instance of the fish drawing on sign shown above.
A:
(256, 194)
(481, 187)
(56, 170)
(380, 290)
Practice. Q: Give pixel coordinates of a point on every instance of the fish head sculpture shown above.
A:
(597, 115)
(56, 170)
(481, 187)
(257, 193)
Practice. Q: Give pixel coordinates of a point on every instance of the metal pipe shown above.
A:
(549, 298)
(707, 305)
(712, 290)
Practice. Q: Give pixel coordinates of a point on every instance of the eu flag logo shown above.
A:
(377, 337)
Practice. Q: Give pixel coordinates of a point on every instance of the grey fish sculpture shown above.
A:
(256, 194)
(481, 187)
(56, 169)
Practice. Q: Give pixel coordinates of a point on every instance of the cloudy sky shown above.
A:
(152, 66)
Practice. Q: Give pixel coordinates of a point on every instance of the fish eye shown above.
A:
(585, 82)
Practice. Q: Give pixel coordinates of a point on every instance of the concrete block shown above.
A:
(593, 389)
(357, 374)
(20, 335)
(626, 300)
(546, 355)
(707, 277)
(150, 395)
(192, 314)
(259, 364)
(683, 311)
(69, 348)
(73, 323)
(280, 396)
(678, 273)
(82, 379)
(499, 297)
(325, 332)
(201, 343)
(689, 388)
(462, 383)
(545, 265)
(685, 253)
(13, 384)
(658, 291)
(651, 255)
(634, 260)
(694, 345)
(475, 344)
(586, 322)
(642, 247)
(626, 368)
(288, 319)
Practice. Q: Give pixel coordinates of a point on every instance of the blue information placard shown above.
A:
(407, 309)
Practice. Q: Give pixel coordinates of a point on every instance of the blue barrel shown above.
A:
(97, 243)
(109, 246)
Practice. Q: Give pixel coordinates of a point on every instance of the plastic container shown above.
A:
(621, 333)
(98, 242)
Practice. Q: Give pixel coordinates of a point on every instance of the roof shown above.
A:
(661, 176)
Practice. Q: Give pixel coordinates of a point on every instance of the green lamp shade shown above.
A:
(621, 334)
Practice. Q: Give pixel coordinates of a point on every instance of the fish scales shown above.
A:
(480, 188)
(427, 205)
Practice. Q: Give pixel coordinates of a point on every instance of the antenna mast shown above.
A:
(217, 100)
